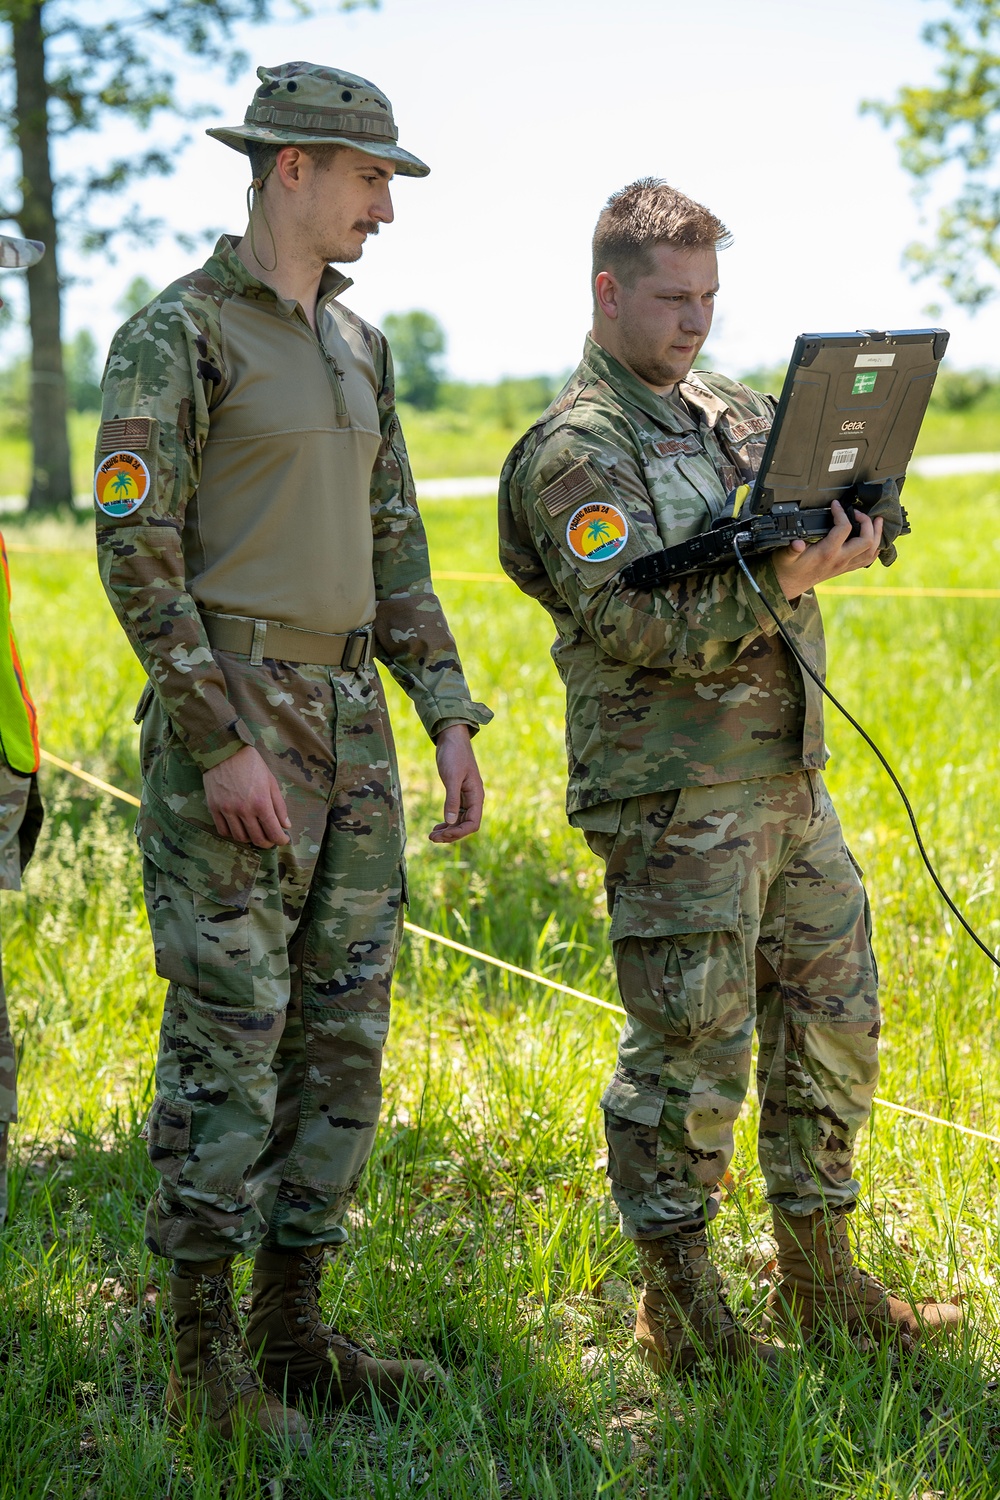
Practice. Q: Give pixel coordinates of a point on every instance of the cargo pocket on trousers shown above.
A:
(681, 962)
(198, 893)
(631, 1125)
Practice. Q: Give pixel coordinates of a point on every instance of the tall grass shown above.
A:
(483, 1235)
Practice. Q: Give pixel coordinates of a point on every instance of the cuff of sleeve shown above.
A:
(220, 746)
(444, 715)
(767, 578)
(443, 724)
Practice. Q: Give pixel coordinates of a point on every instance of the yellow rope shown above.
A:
(102, 786)
(874, 592)
(501, 963)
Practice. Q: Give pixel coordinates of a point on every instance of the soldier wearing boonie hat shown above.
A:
(300, 103)
(260, 542)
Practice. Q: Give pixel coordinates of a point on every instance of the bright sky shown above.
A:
(530, 112)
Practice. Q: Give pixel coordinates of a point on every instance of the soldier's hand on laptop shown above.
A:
(801, 565)
(463, 786)
(245, 801)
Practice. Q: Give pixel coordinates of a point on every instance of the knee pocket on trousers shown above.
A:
(167, 1130)
(681, 961)
(631, 1126)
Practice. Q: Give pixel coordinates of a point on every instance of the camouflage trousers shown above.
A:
(20, 818)
(736, 906)
(280, 964)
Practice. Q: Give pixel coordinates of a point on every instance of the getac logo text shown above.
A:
(852, 426)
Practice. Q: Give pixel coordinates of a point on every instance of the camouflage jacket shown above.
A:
(166, 374)
(689, 684)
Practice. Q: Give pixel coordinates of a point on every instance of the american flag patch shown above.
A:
(738, 431)
(571, 488)
(126, 432)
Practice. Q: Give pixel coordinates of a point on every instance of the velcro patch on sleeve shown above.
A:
(571, 488)
(126, 432)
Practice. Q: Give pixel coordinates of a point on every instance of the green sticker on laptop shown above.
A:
(864, 384)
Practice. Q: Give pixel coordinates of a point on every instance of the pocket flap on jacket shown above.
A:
(673, 908)
(218, 869)
(630, 1101)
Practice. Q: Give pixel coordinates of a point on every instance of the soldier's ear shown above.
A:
(607, 294)
(288, 166)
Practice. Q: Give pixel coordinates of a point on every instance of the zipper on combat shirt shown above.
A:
(333, 370)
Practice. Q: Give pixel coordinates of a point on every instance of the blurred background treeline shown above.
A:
(453, 428)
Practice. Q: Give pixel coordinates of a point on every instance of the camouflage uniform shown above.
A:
(280, 960)
(695, 748)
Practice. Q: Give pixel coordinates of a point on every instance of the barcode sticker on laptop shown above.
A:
(842, 458)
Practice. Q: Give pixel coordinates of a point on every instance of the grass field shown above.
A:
(483, 1235)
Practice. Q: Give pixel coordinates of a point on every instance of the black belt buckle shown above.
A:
(357, 650)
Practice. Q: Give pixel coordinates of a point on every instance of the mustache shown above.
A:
(367, 226)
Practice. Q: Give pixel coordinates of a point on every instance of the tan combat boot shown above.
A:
(212, 1378)
(683, 1316)
(299, 1353)
(820, 1288)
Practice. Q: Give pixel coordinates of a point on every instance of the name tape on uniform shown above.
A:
(121, 483)
(596, 531)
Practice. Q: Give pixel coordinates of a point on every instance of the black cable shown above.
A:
(974, 935)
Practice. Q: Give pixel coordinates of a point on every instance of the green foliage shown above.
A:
(766, 378)
(15, 396)
(139, 291)
(483, 1235)
(83, 375)
(956, 124)
(474, 427)
(417, 341)
(960, 390)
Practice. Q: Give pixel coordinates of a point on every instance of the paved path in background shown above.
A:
(484, 486)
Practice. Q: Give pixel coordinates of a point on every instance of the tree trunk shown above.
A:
(51, 480)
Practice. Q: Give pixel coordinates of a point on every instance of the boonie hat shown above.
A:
(301, 103)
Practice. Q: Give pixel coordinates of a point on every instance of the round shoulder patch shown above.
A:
(597, 531)
(121, 484)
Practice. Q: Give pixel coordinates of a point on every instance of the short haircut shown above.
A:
(264, 154)
(649, 213)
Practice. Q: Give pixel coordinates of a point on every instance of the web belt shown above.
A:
(256, 639)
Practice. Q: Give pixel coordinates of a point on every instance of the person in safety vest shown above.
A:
(260, 542)
(695, 755)
(20, 803)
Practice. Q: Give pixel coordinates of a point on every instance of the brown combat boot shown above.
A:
(820, 1288)
(299, 1353)
(212, 1378)
(683, 1316)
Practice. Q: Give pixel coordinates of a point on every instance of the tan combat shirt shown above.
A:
(247, 467)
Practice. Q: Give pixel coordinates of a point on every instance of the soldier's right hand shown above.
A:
(246, 802)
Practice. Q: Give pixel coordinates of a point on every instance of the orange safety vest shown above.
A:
(18, 720)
